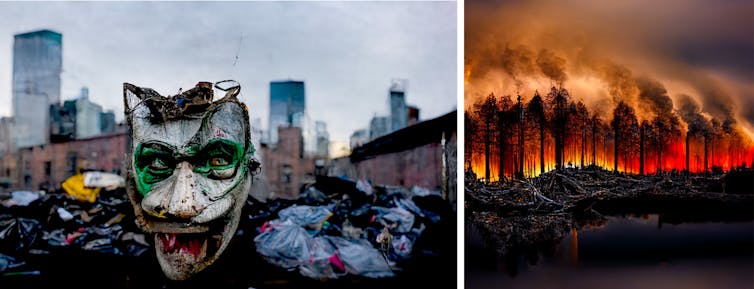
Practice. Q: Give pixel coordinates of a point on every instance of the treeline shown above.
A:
(510, 137)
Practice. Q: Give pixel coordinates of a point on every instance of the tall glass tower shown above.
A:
(398, 110)
(287, 103)
(37, 64)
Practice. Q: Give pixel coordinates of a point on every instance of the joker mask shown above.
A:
(189, 171)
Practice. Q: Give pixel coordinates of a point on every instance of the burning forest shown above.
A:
(509, 137)
(593, 124)
(637, 87)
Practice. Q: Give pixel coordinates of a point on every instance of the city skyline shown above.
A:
(346, 53)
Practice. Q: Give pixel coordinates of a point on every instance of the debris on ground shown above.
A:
(330, 232)
(339, 227)
(519, 215)
(56, 222)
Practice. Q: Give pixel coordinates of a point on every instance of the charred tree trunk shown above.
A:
(520, 172)
(594, 144)
(541, 148)
(641, 150)
(583, 146)
(615, 151)
(487, 140)
(501, 160)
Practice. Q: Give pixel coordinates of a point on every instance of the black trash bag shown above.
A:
(256, 212)
(134, 244)
(55, 238)
(337, 187)
(6, 262)
(433, 207)
(99, 239)
(102, 245)
(361, 217)
(313, 196)
(274, 206)
(135, 250)
(18, 234)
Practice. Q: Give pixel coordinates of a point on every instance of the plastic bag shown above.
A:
(285, 245)
(409, 205)
(74, 186)
(364, 186)
(402, 246)
(322, 261)
(360, 258)
(313, 196)
(423, 192)
(103, 180)
(307, 216)
(21, 198)
(18, 234)
(402, 218)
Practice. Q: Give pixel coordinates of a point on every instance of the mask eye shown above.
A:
(218, 161)
(223, 174)
(154, 163)
(158, 164)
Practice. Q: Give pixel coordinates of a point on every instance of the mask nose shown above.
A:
(178, 197)
(182, 202)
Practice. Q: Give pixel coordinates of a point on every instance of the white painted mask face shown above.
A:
(189, 172)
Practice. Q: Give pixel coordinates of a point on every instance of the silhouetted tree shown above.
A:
(536, 113)
(506, 120)
(596, 123)
(519, 109)
(624, 118)
(668, 129)
(644, 129)
(582, 120)
(558, 114)
(471, 130)
(487, 112)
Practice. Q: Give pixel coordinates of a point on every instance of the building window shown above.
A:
(71, 163)
(287, 170)
(48, 168)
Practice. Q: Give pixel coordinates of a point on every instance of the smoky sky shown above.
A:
(346, 53)
(647, 53)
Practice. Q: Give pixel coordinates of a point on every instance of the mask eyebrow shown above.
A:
(151, 149)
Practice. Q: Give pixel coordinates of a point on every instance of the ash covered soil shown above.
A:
(522, 215)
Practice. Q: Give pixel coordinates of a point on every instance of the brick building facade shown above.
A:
(47, 166)
(285, 166)
(422, 155)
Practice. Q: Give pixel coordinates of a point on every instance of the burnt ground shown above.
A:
(519, 217)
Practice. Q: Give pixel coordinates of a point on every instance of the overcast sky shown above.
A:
(346, 53)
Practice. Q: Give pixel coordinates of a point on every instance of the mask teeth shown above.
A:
(173, 242)
(168, 241)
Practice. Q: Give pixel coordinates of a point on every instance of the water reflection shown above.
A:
(633, 251)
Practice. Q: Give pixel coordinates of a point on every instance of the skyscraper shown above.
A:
(287, 104)
(37, 64)
(87, 116)
(379, 126)
(323, 139)
(398, 110)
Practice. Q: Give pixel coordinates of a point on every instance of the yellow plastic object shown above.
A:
(74, 186)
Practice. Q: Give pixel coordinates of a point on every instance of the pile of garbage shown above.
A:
(336, 228)
(40, 223)
(340, 227)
